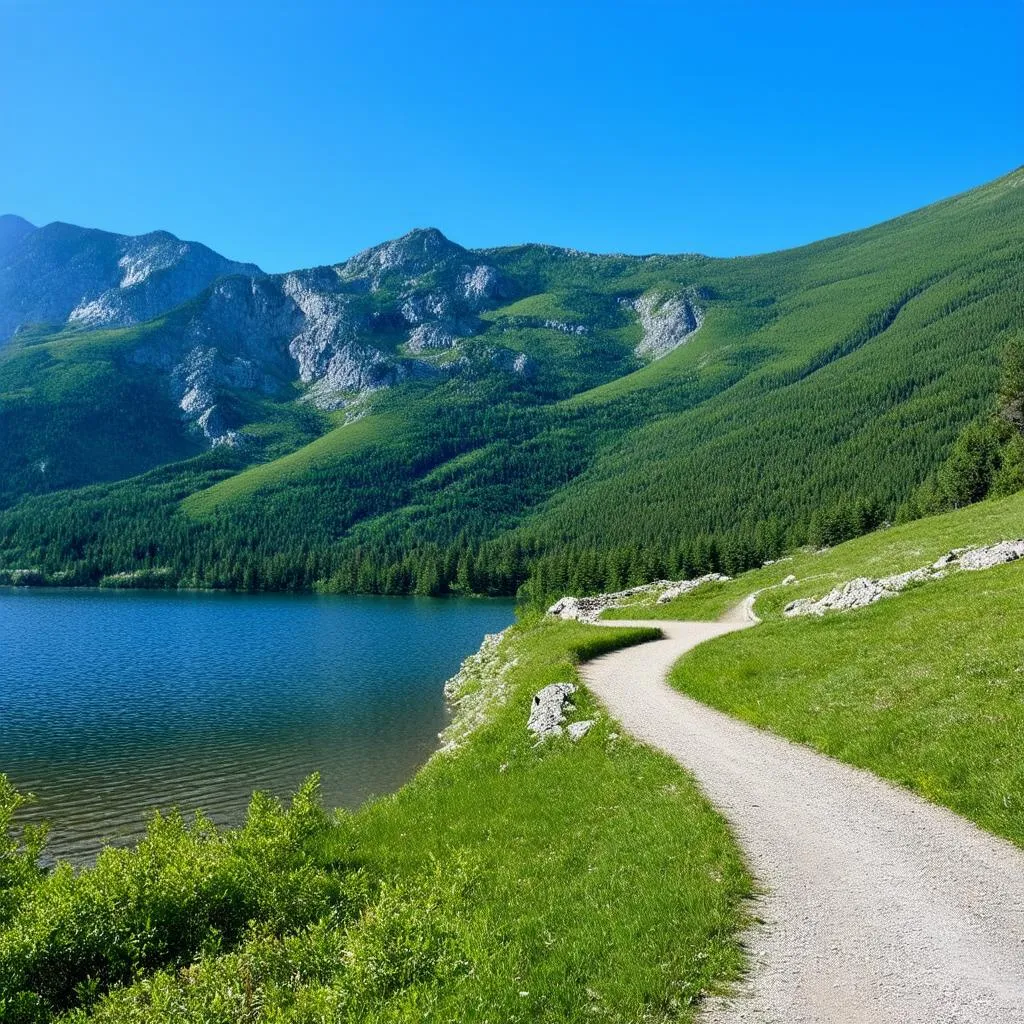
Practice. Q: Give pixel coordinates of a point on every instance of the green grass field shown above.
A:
(614, 888)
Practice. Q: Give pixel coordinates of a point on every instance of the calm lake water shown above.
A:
(112, 703)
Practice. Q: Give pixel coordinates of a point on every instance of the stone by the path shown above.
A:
(547, 712)
(577, 730)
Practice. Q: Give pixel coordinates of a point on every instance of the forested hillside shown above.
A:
(592, 421)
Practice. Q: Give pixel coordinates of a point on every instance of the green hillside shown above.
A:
(924, 688)
(825, 379)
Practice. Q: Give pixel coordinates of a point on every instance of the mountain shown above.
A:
(63, 274)
(12, 230)
(425, 417)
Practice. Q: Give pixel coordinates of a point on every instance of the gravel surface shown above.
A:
(877, 906)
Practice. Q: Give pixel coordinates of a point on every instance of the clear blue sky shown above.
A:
(296, 133)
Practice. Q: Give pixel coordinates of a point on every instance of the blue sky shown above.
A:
(296, 134)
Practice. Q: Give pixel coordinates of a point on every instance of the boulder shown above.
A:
(547, 712)
(577, 730)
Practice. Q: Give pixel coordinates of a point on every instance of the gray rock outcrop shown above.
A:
(863, 591)
(668, 321)
(64, 274)
(321, 327)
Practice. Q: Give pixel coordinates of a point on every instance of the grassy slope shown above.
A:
(77, 409)
(608, 887)
(926, 689)
(72, 412)
(798, 380)
(833, 358)
(343, 440)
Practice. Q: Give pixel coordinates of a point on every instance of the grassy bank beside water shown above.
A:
(507, 882)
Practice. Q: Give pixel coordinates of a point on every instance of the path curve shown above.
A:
(879, 908)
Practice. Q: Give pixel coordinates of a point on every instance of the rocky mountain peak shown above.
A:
(414, 254)
(62, 273)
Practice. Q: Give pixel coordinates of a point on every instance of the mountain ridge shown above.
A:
(422, 416)
(63, 274)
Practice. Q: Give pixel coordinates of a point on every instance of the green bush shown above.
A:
(185, 888)
(19, 852)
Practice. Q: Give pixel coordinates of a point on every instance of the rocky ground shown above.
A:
(862, 591)
(589, 609)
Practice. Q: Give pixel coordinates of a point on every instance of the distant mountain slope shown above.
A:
(12, 230)
(424, 417)
(66, 274)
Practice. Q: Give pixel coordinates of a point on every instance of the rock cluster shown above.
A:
(685, 586)
(548, 710)
(863, 591)
(859, 593)
(996, 554)
(589, 609)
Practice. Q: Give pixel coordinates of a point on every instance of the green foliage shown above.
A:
(184, 889)
(966, 476)
(19, 852)
(988, 456)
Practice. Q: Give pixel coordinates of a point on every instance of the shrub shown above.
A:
(185, 888)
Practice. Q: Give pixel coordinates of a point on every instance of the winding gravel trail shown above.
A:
(878, 907)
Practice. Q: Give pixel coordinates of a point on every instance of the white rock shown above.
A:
(667, 321)
(862, 591)
(577, 730)
(685, 586)
(547, 713)
(996, 554)
(588, 609)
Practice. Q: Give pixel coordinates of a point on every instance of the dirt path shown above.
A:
(879, 907)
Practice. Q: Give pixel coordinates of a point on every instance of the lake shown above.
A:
(115, 702)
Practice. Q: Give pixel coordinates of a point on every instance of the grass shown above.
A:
(607, 887)
(708, 602)
(881, 553)
(341, 441)
(925, 689)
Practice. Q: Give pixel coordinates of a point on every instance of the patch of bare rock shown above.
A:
(548, 710)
